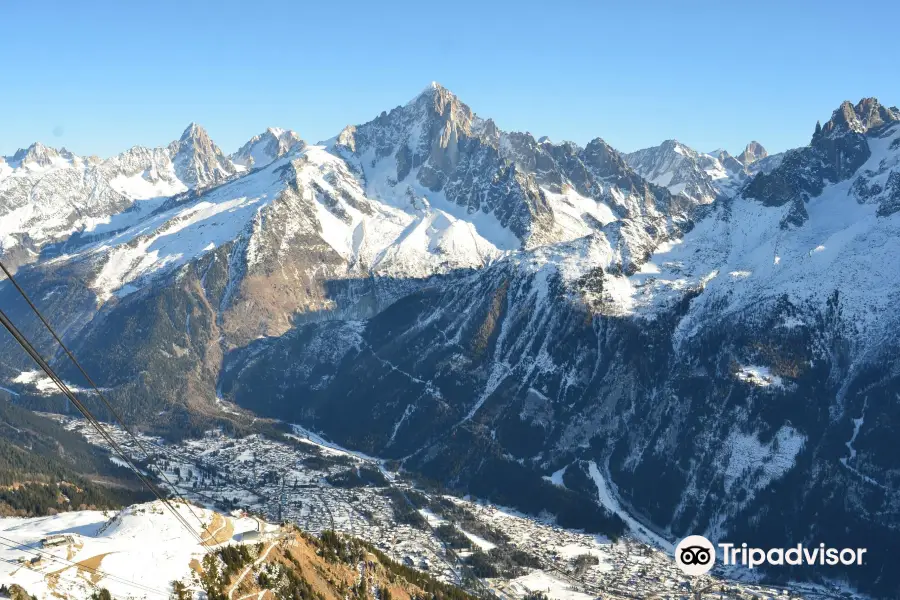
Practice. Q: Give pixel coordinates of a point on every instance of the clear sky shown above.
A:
(99, 77)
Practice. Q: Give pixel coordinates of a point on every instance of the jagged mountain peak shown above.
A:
(37, 154)
(198, 160)
(194, 131)
(266, 147)
(837, 152)
(865, 115)
(436, 101)
(436, 147)
(196, 139)
(36, 147)
(435, 119)
(434, 113)
(194, 135)
(432, 90)
(682, 170)
(604, 159)
(677, 146)
(753, 152)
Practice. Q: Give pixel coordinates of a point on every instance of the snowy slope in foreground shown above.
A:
(139, 551)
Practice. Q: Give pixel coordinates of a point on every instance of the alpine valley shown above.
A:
(666, 341)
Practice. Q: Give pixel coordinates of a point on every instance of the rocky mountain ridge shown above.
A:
(699, 176)
(266, 147)
(49, 196)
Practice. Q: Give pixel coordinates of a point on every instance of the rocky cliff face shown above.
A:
(266, 147)
(197, 160)
(752, 153)
(835, 153)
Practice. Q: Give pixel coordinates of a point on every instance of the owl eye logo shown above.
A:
(695, 555)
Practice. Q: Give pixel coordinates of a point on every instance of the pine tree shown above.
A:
(180, 591)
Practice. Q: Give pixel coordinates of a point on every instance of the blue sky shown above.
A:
(99, 77)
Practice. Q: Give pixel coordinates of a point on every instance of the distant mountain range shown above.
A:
(716, 333)
(701, 177)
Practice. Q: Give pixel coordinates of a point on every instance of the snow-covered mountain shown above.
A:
(683, 170)
(266, 147)
(49, 195)
(197, 161)
(491, 308)
(427, 189)
(699, 176)
(518, 192)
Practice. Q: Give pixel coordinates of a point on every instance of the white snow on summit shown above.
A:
(698, 176)
(266, 147)
(48, 195)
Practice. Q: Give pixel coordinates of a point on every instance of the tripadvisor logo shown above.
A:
(696, 555)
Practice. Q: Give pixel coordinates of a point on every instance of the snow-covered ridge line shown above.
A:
(48, 195)
(396, 210)
(401, 212)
